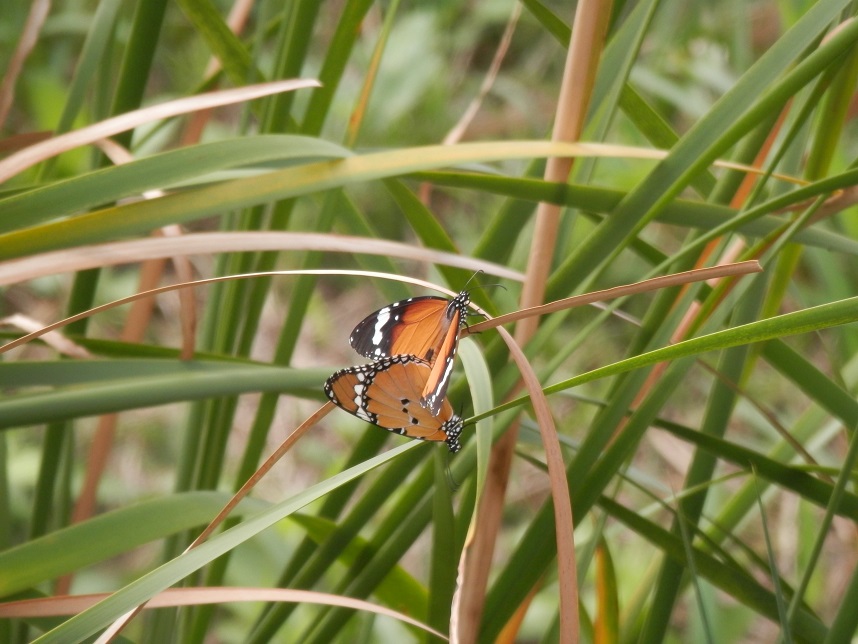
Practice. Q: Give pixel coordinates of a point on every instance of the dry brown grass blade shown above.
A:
(39, 10)
(585, 47)
(20, 161)
(458, 131)
(124, 252)
(72, 605)
(263, 469)
(227, 509)
(211, 280)
(56, 341)
(562, 503)
(653, 284)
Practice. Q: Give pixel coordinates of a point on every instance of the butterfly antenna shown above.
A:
(471, 278)
(496, 284)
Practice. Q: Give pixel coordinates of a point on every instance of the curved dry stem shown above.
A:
(653, 284)
(227, 509)
(196, 596)
(20, 161)
(57, 341)
(130, 251)
(458, 130)
(563, 520)
(211, 280)
(263, 469)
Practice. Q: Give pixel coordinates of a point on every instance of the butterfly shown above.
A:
(426, 327)
(386, 393)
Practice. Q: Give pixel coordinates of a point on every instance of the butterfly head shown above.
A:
(459, 304)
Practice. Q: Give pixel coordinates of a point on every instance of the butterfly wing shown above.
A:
(434, 391)
(415, 327)
(386, 393)
(426, 327)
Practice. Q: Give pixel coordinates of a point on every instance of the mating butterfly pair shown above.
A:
(414, 343)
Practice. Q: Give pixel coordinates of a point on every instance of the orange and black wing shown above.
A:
(413, 327)
(387, 393)
(426, 327)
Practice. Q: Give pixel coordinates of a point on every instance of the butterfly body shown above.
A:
(387, 392)
(426, 327)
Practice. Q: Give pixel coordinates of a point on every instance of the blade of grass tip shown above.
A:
(558, 29)
(607, 622)
(359, 111)
(480, 383)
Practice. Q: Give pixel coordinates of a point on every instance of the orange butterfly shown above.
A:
(426, 327)
(386, 393)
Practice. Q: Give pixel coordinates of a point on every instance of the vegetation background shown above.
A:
(709, 432)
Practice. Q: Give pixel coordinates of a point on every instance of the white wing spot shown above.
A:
(380, 322)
